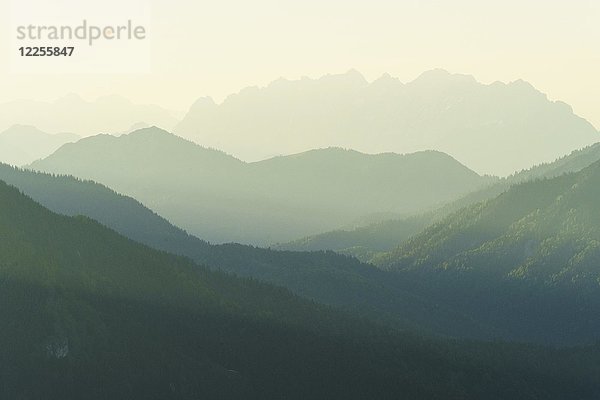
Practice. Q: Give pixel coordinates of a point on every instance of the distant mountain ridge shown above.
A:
(71, 113)
(23, 144)
(222, 199)
(494, 129)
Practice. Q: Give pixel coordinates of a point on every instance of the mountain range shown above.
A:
(222, 199)
(366, 240)
(22, 144)
(71, 113)
(325, 277)
(327, 238)
(439, 299)
(91, 314)
(494, 129)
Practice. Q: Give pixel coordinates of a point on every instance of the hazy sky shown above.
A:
(214, 48)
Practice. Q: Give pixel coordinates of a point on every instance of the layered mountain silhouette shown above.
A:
(71, 113)
(495, 129)
(325, 277)
(91, 314)
(222, 199)
(529, 257)
(23, 144)
(365, 241)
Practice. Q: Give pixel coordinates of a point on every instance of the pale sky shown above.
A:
(214, 48)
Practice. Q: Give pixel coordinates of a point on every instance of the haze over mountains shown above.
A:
(528, 307)
(325, 277)
(529, 255)
(125, 296)
(71, 113)
(494, 129)
(222, 199)
(94, 315)
(365, 240)
(525, 261)
(23, 144)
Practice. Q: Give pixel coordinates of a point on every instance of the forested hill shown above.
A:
(364, 241)
(535, 249)
(560, 213)
(91, 314)
(325, 277)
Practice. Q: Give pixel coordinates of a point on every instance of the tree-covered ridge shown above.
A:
(362, 242)
(71, 196)
(90, 314)
(535, 249)
(531, 217)
(473, 226)
(365, 241)
(325, 277)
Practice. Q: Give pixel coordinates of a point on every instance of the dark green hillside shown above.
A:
(71, 196)
(470, 227)
(90, 314)
(400, 300)
(532, 255)
(325, 277)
